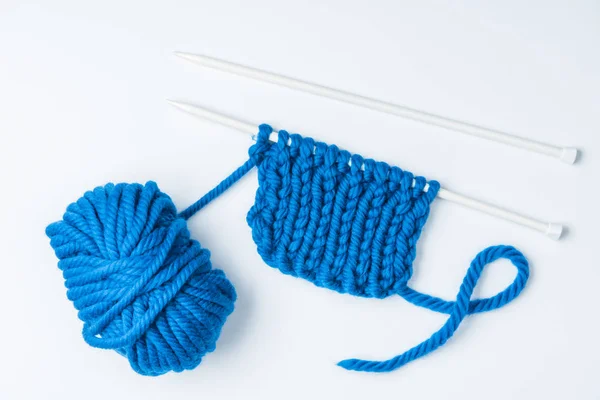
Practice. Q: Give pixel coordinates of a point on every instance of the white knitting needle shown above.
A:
(549, 229)
(565, 154)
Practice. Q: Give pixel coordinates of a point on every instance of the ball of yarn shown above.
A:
(141, 285)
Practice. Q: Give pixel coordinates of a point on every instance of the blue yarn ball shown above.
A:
(141, 285)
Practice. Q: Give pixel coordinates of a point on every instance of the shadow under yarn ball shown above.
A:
(141, 285)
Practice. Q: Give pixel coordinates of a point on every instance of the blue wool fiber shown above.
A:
(141, 285)
(145, 289)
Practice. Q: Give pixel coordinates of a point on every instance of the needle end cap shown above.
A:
(554, 231)
(569, 155)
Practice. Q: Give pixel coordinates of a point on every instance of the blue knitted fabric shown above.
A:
(145, 289)
(319, 216)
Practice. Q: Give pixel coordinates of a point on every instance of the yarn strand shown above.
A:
(458, 309)
(219, 189)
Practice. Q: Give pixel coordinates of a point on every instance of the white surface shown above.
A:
(82, 102)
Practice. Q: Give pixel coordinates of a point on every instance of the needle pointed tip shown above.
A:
(181, 106)
(184, 55)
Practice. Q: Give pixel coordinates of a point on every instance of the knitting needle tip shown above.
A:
(184, 55)
(182, 106)
(218, 118)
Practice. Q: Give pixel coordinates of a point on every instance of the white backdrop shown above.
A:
(82, 103)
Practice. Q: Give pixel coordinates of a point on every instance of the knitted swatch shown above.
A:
(145, 289)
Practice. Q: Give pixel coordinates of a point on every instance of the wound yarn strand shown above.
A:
(141, 285)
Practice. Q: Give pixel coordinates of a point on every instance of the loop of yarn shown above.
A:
(458, 309)
(141, 285)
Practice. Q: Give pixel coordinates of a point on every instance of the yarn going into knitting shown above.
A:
(144, 288)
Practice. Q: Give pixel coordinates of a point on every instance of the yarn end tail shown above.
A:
(349, 364)
(355, 364)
